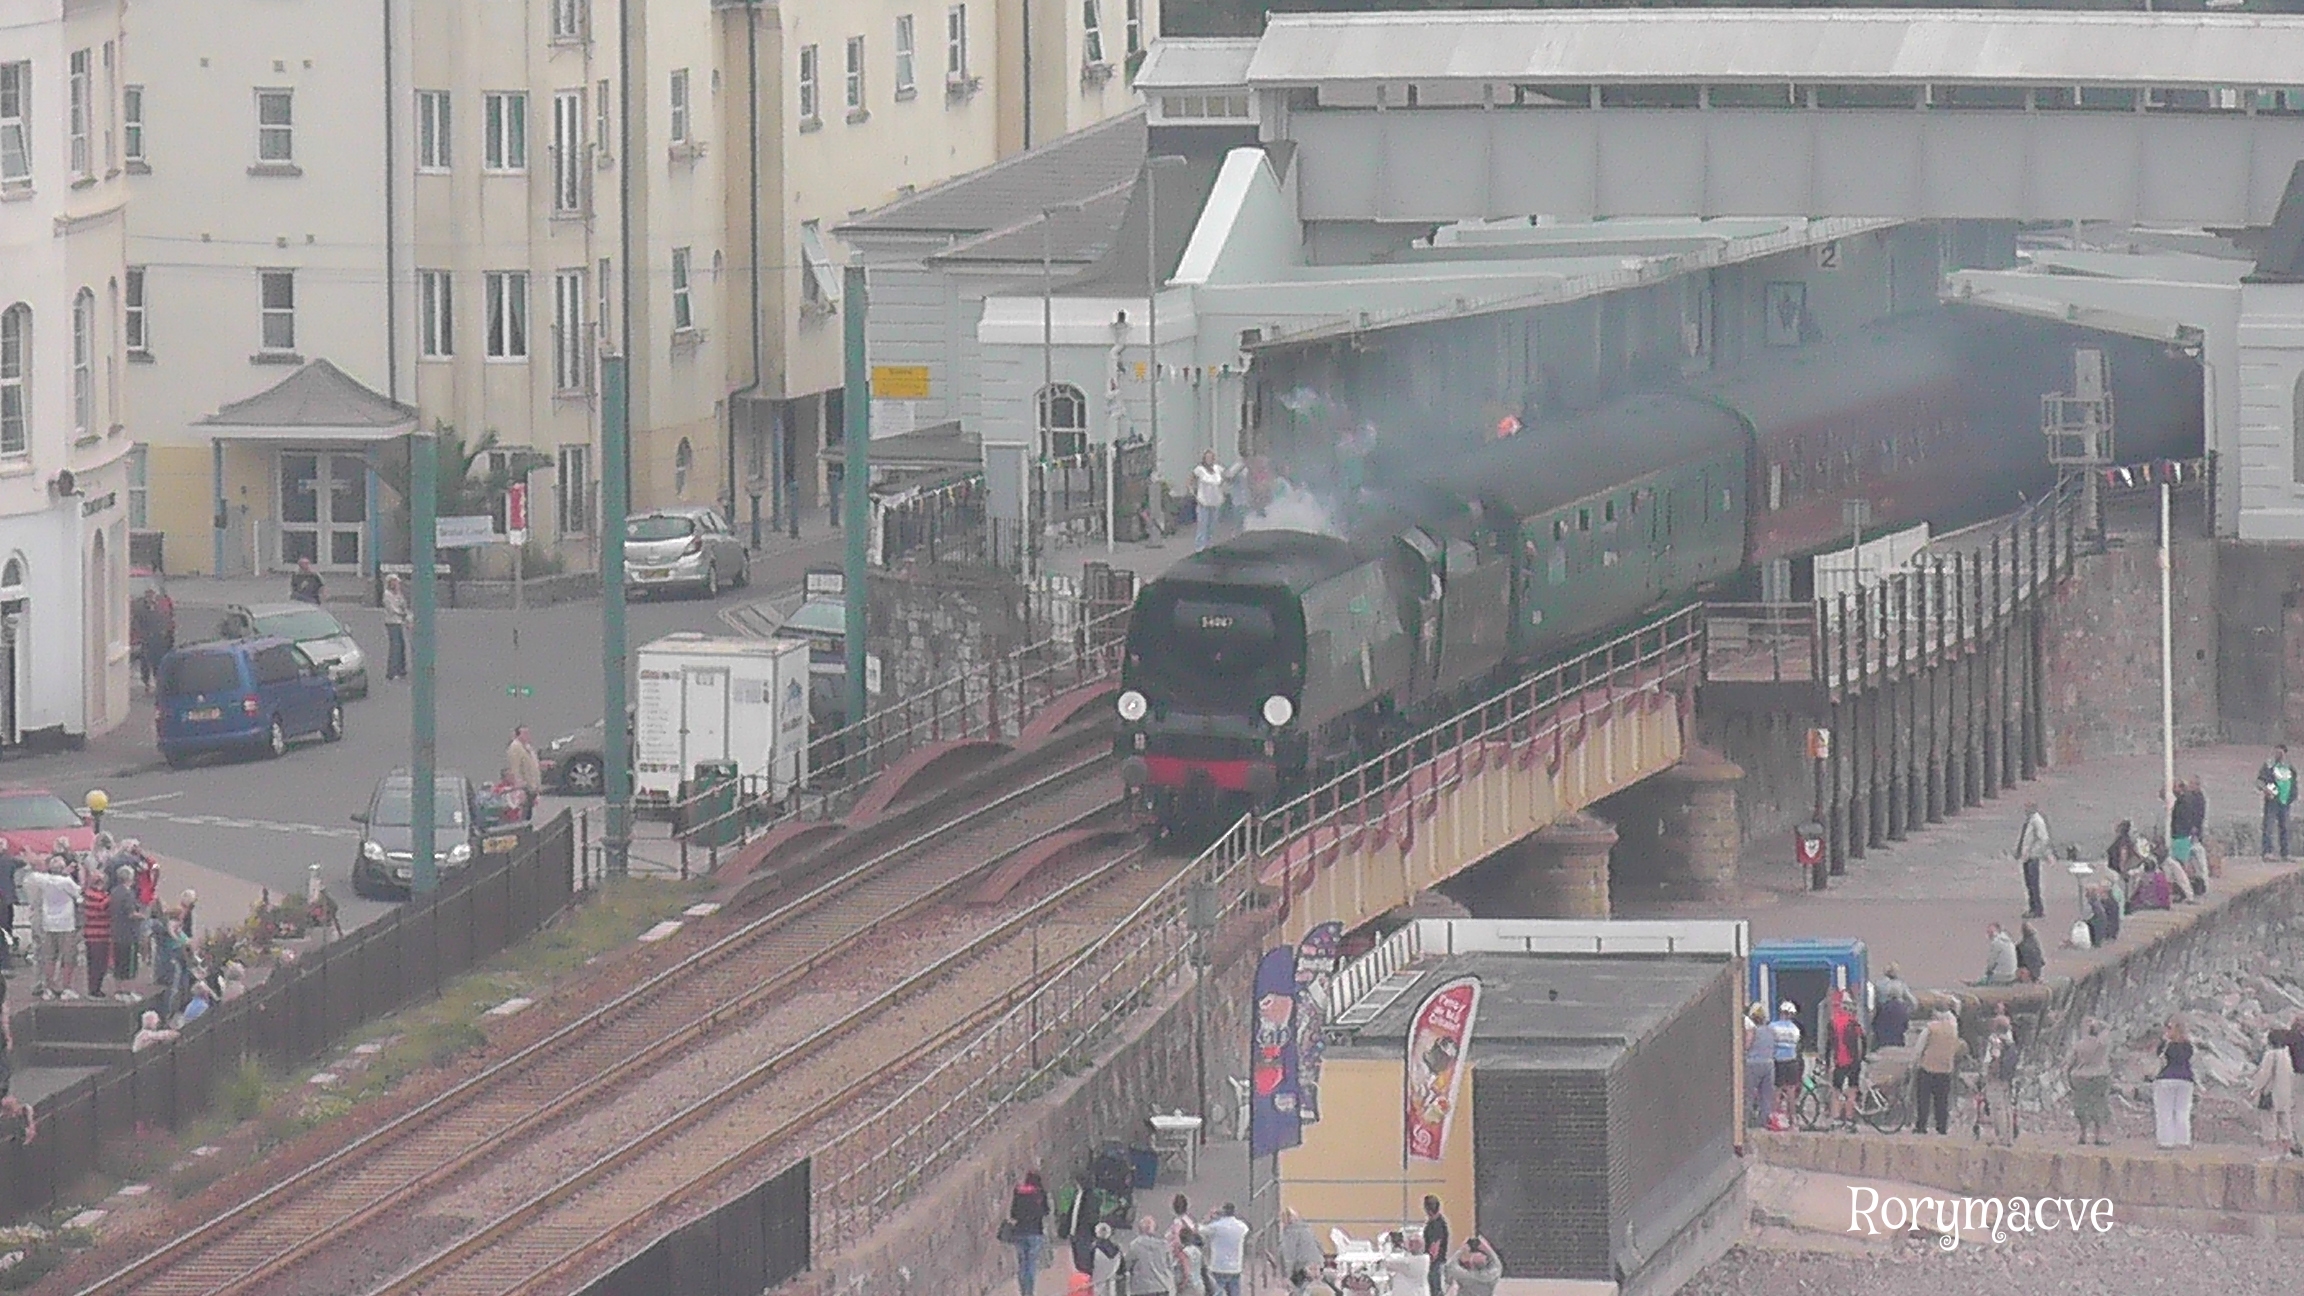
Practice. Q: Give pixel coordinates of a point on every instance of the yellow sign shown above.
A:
(900, 382)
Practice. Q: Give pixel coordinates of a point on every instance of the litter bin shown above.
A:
(709, 816)
(1146, 1164)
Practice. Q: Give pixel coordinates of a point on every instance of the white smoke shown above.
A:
(1295, 509)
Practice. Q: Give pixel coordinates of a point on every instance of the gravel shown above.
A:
(2125, 1261)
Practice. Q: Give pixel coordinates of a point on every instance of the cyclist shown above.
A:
(1786, 1028)
(1847, 1053)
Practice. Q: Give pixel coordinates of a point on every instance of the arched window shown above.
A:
(12, 575)
(683, 460)
(1063, 421)
(15, 392)
(83, 362)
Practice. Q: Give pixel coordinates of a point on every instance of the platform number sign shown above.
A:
(1828, 255)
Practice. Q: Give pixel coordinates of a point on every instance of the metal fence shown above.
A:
(298, 1013)
(1070, 503)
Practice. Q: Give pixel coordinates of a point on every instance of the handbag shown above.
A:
(1008, 1230)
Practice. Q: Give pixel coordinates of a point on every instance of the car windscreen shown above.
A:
(299, 626)
(209, 672)
(35, 810)
(659, 527)
(395, 805)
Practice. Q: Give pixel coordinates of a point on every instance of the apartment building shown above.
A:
(350, 225)
(65, 491)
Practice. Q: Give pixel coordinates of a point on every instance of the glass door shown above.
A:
(323, 509)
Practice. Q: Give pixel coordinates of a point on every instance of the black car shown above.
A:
(381, 864)
(577, 764)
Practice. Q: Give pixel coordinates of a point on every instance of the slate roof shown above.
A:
(1183, 195)
(1074, 238)
(1019, 187)
(1556, 1008)
(1197, 63)
(318, 395)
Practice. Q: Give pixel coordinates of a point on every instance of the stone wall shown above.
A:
(2260, 631)
(2103, 650)
(932, 622)
(1778, 791)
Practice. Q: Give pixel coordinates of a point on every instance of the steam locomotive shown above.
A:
(1260, 661)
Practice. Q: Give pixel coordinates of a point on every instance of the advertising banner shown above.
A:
(1439, 1040)
(1317, 957)
(1273, 1119)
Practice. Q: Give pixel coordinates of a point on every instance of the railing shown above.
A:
(866, 1173)
(1760, 642)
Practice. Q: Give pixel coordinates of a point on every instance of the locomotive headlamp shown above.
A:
(1278, 710)
(1133, 706)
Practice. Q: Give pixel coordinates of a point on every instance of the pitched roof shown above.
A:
(1183, 193)
(1021, 186)
(318, 395)
(1074, 238)
(1197, 63)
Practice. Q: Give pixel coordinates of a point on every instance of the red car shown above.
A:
(31, 819)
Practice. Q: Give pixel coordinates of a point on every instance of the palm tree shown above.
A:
(472, 480)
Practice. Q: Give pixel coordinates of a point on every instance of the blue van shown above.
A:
(243, 695)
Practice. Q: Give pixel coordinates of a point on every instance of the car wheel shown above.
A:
(584, 776)
(334, 729)
(176, 760)
(361, 888)
(276, 739)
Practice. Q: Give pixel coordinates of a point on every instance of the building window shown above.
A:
(276, 296)
(139, 488)
(504, 120)
(575, 490)
(568, 151)
(78, 106)
(435, 314)
(683, 461)
(1063, 421)
(132, 123)
(601, 121)
(111, 109)
(906, 85)
(607, 266)
(275, 126)
(855, 76)
(83, 363)
(15, 392)
(1091, 33)
(570, 373)
(679, 105)
(568, 20)
(507, 293)
(138, 330)
(683, 310)
(809, 115)
(819, 279)
(435, 128)
(15, 143)
(1135, 26)
(956, 43)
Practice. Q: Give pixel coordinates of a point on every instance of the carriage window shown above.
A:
(1640, 499)
(1583, 519)
(1559, 530)
(1608, 513)
(1727, 501)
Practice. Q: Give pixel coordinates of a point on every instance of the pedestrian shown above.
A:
(2089, 1073)
(1406, 1272)
(1759, 1068)
(395, 628)
(1999, 956)
(2172, 1088)
(1180, 1209)
(1786, 1029)
(2122, 856)
(7, 1042)
(151, 1035)
(58, 928)
(2274, 1089)
(1027, 1222)
(1435, 1243)
(10, 866)
(2195, 802)
(1208, 481)
(127, 923)
(521, 768)
(2000, 1062)
(196, 1007)
(1940, 1051)
(1191, 1264)
(1076, 1222)
(2033, 848)
(142, 641)
(1476, 1270)
(2277, 780)
(1227, 1237)
(1847, 1044)
(96, 929)
(17, 1123)
(1150, 1271)
(2030, 962)
(1302, 1258)
(1105, 1262)
(305, 585)
(1892, 1012)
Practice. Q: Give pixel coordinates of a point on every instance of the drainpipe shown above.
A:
(752, 118)
(391, 224)
(1027, 73)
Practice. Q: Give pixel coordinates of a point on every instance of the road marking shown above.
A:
(137, 801)
(226, 821)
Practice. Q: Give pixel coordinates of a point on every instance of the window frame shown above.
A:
(504, 131)
(266, 312)
(132, 125)
(683, 291)
(571, 368)
(571, 21)
(16, 378)
(811, 87)
(84, 364)
(1046, 405)
(852, 80)
(139, 467)
(136, 319)
(111, 109)
(16, 122)
(603, 125)
(907, 58)
(435, 315)
(568, 152)
(282, 132)
(1133, 21)
(435, 132)
(956, 44)
(574, 515)
(1091, 33)
(505, 334)
(683, 105)
(80, 114)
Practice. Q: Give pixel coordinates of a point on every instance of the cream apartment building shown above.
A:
(65, 491)
(352, 222)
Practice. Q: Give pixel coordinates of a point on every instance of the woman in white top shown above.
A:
(1207, 497)
(2274, 1089)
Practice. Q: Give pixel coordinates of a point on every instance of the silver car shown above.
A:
(687, 547)
(313, 629)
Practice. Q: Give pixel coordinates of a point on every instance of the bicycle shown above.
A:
(1886, 1110)
(1980, 1108)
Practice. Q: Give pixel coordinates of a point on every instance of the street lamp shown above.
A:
(1153, 166)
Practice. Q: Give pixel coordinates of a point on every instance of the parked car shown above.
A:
(315, 630)
(382, 864)
(685, 546)
(576, 764)
(238, 695)
(32, 818)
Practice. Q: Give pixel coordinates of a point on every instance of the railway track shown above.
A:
(511, 1104)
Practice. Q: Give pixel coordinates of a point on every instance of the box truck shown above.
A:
(720, 699)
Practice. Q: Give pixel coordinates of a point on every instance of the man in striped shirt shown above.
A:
(96, 929)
